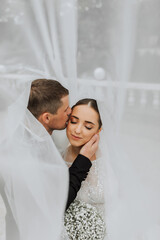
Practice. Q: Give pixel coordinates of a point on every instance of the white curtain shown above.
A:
(107, 50)
(121, 71)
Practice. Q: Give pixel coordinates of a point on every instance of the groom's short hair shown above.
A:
(45, 96)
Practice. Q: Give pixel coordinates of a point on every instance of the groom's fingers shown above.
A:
(90, 148)
(95, 142)
(94, 139)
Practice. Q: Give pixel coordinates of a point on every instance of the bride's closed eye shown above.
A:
(89, 128)
(73, 122)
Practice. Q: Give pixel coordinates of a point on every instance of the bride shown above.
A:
(49, 45)
(84, 122)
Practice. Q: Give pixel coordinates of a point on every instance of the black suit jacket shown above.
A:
(77, 173)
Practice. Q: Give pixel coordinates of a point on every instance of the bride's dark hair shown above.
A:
(91, 103)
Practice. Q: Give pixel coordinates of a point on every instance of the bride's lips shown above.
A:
(75, 137)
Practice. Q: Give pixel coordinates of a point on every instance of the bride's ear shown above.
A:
(99, 130)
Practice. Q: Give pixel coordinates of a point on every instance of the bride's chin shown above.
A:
(75, 144)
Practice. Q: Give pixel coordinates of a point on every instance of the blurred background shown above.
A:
(109, 49)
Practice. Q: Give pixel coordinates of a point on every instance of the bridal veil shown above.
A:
(107, 50)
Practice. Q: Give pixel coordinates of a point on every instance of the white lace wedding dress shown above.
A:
(91, 190)
(2, 219)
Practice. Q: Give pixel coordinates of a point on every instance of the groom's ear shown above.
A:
(44, 117)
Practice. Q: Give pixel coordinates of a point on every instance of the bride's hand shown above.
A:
(90, 148)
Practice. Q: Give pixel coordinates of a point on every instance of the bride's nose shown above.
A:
(78, 129)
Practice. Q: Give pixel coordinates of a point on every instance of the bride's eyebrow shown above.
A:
(89, 122)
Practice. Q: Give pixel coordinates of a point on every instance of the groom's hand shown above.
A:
(90, 148)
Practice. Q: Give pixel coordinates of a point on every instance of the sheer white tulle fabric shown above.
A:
(2, 220)
(34, 177)
(44, 44)
(31, 169)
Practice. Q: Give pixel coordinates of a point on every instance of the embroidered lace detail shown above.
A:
(91, 190)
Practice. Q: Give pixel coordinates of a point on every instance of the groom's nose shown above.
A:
(69, 111)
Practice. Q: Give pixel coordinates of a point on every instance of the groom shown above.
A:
(49, 103)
